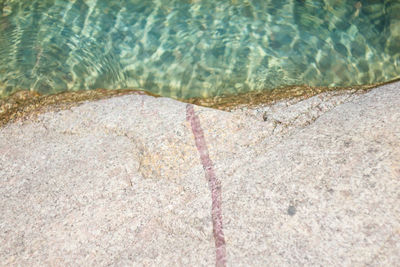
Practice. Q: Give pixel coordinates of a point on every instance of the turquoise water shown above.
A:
(196, 48)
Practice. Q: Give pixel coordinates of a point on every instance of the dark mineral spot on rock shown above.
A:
(265, 117)
(291, 210)
(347, 143)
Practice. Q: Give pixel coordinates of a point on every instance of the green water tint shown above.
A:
(186, 49)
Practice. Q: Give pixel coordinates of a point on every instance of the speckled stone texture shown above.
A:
(120, 182)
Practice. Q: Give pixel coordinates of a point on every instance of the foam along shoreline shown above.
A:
(120, 181)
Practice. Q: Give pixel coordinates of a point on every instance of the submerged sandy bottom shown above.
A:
(139, 180)
(24, 104)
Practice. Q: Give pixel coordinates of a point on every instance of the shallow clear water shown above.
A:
(196, 48)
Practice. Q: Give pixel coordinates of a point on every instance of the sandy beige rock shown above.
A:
(120, 182)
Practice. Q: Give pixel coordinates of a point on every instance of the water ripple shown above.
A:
(197, 48)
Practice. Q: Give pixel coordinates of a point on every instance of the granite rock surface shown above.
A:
(122, 182)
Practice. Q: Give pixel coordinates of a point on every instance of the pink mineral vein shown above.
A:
(213, 183)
